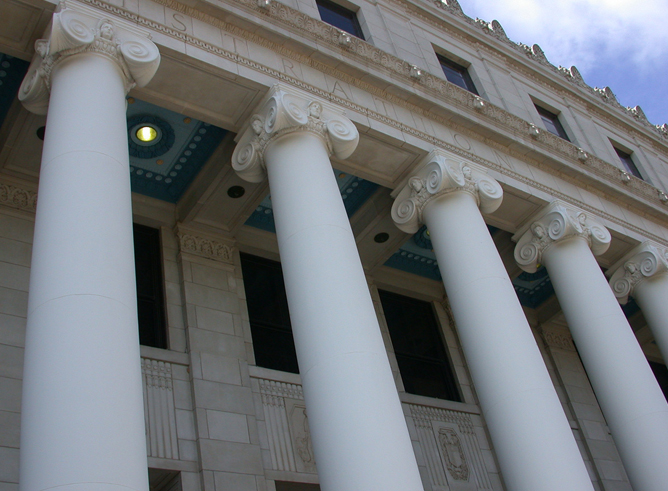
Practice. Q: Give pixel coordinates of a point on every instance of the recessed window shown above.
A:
(457, 74)
(340, 17)
(418, 346)
(150, 291)
(627, 162)
(552, 123)
(271, 330)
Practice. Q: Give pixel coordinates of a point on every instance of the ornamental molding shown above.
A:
(560, 339)
(605, 171)
(77, 28)
(286, 111)
(18, 198)
(439, 174)
(644, 261)
(190, 242)
(557, 222)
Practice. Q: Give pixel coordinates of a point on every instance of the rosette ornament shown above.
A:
(644, 261)
(558, 221)
(439, 174)
(284, 112)
(75, 29)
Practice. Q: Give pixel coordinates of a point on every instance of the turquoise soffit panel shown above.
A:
(164, 170)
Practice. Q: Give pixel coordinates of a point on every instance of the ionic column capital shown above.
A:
(644, 261)
(75, 29)
(441, 173)
(287, 111)
(556, 222)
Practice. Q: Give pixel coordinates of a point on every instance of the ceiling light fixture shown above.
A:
(146, 134)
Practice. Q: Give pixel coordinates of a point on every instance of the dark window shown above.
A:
(418, 346)
(661, 374)
(457, 74)
(552, 123)
(628, 163)
(150, 293)
(268, 312)
(340, 17)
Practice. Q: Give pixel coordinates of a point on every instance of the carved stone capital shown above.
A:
(441, 173)
(286, 111)
(644, 261)
(77, 28)
(556, 222)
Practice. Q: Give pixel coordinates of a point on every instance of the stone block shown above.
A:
(9, 465)
(11, 361)
(185, 425)
(215, 320)
(212, 298)
(10, 394)
(10, 426)
(231, 457)
(13, 302)
(220, 369)
(213, 277)
(230, 427)
(219, 344)
(12, 330)
(238, 482)
(15, 252)
(224, 397)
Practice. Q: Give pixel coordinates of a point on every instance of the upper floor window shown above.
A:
(457, 74)
(627, 162)
(418, 346)
(552, 123)
(150, 291)
(267, 302)
(340, 17)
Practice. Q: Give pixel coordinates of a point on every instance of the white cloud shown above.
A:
(585, 33)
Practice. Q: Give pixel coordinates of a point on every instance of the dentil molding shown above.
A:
(556, 222)
(286, 111)
(644, 261)
(441, 173)
(77, 28)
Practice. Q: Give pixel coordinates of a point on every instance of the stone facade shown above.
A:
(289, 97)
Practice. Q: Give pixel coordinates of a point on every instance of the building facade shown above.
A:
(266, 245)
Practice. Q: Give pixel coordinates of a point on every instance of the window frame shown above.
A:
(155, 336)
(627, 161)
(547, 114)
(338, 9)
(266, 335)
(451, 386)
(444, 61)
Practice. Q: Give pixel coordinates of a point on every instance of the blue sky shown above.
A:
(615, 43)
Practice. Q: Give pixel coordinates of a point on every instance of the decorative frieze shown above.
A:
(558, 339)
(450, 447)
(644, 261)
(78, 29)
(159, 409)
(556, 222)
(439, 174)
(205, 247)
(16, 197)
(284, 112)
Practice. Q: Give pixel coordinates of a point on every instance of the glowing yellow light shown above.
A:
(146, 134)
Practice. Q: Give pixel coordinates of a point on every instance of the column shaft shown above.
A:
(531, 436)
(652, 297)
(627, 391)
(82, 424)
(357, 425)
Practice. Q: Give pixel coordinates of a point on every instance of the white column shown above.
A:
(532, 438)
(643, 274)
(359, 432)
(565, 240)
(82, 421)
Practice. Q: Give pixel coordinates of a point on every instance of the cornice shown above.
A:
(650, 192)
(534, 53)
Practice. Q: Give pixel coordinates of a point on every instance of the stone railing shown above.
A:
(448, 438)
(450, 448)
(159, 410)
